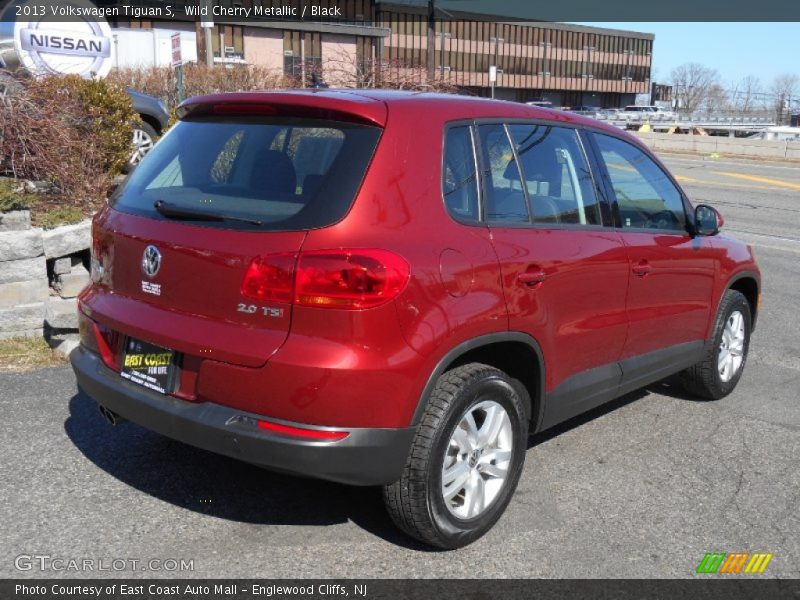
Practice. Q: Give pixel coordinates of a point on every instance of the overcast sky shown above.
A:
(734, 49)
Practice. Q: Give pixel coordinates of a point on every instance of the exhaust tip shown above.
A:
(110, 416)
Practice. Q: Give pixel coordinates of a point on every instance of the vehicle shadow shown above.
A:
(218, 486)
(229, 489)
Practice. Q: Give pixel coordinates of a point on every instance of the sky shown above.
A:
(736, 50)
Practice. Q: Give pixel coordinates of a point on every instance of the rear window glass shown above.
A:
(275, 174)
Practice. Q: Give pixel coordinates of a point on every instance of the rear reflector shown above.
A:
(347, 279)
(311, 434)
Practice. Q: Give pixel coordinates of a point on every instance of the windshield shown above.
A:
(275, 174)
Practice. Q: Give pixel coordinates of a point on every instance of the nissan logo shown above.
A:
(151, 261)
(60, 37)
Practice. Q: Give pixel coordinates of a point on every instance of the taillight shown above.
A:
(98, 339)
(270, 278)
(346, 279)
(101, 258)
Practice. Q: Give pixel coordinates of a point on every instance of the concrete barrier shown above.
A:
(702, 144)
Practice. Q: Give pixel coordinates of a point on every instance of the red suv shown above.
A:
(387, 288)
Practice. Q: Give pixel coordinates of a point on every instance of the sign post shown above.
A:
(177, 64)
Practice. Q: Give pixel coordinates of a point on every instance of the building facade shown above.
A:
(565, 64)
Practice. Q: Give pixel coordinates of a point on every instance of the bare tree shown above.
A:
(785, 88)
(716, 99)
(745, 94)
(691, 82)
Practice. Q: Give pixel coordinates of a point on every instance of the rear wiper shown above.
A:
(176, 212)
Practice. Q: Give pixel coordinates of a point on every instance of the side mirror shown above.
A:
(707, 220)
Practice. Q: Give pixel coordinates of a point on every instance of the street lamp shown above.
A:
(443, 35)
(494, 70)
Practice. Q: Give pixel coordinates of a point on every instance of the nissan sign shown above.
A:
(81, 46)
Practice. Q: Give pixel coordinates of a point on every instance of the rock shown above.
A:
(61, 313)
(62, 266)
(16, 220)
(27, 317)
(24, 333)
(21, 244)
(64, 343)
(71, 284)
(68, 239)
(23, 269)
(23, 292)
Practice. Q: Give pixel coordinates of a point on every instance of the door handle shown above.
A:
(642, 268)
(532, 277)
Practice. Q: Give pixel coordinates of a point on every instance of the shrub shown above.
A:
(12, 196)
(72, 133)
(103, 113)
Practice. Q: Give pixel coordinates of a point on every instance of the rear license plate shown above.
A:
(148, 365)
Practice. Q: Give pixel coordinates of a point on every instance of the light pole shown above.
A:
(494, 70)
(443, 35)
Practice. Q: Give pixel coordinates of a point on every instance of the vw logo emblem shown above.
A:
(151, 261)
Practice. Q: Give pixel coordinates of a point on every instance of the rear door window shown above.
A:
(505, 199)
(276, 174)
(557, 175)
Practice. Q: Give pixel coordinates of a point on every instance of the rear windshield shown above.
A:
(275, 174)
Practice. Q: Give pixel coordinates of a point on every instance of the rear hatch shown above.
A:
(222, 190)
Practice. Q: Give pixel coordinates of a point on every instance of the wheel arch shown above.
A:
(152, 121)
(749, 285)
(517, 354)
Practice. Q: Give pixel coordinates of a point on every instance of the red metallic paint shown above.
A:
(368, 368)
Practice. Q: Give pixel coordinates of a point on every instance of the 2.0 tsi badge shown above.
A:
(151, 261)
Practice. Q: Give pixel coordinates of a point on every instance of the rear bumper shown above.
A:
(367, 456)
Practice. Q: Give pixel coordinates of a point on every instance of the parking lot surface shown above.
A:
(643, 487)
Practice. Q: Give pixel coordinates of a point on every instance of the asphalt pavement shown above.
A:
(642, 488)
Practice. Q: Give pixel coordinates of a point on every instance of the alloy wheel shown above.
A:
(477, 460)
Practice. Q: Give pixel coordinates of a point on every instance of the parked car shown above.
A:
(153, 120)
(584, 110)
(649, 112)
(395, 289)
(540, 103)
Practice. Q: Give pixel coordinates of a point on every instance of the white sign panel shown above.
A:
(83, 46)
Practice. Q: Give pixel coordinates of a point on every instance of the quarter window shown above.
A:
(645, 195)
(557, 176)
(460, 181)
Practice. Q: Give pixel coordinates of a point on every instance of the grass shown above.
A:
(24, 354)
(62, 215)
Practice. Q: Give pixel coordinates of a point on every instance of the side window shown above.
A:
(557, 175)
(505, 199)
(459, 179)
(645, 195)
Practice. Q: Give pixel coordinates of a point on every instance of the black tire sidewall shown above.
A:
(495, 387)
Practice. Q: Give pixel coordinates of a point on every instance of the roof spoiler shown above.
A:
(334, 106)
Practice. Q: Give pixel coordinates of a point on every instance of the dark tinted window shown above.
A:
(505, 200)
(645, 195)
(557, 175)
(460, 181)
(286, 173)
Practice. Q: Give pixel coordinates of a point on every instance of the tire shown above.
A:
(417, 502)
(709, 378)
(144, 137)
